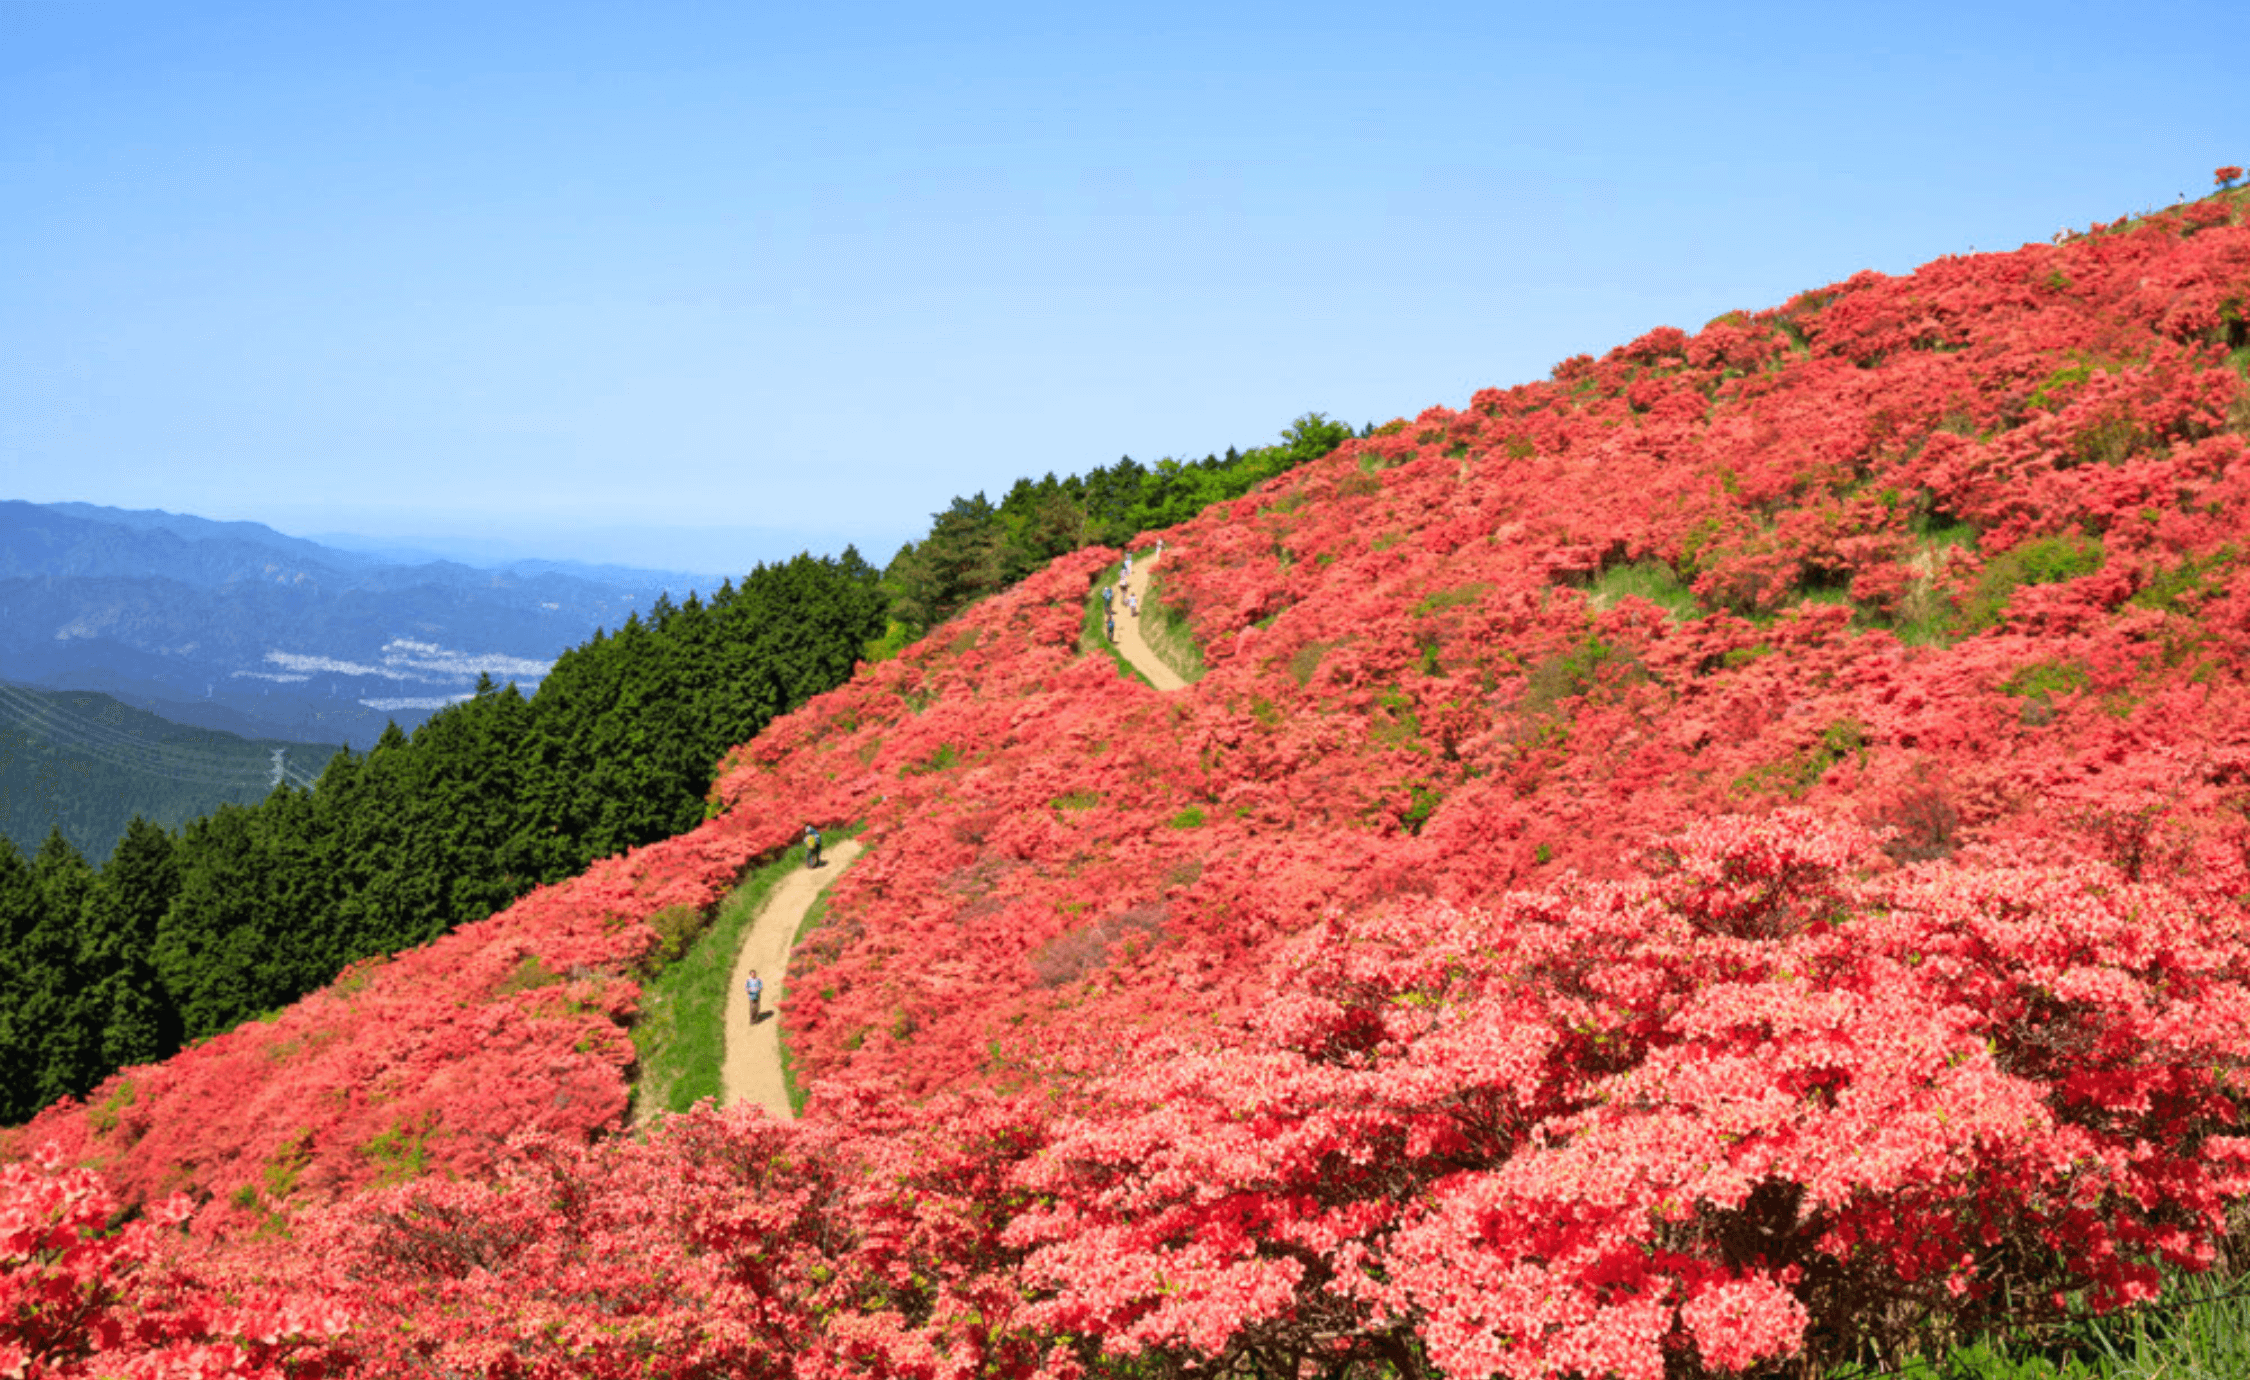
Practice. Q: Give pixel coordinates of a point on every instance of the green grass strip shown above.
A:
(1165, 629)
(681, 1039)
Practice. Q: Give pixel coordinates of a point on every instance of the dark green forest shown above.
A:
(976, 547)
(79, 761)
(180, 936)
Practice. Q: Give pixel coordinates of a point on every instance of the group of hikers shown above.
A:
(753, 987)
(1112, 597)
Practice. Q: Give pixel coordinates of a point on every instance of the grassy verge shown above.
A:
(1650, 580)
(680, 1039)
(1092, 638)
(814, 914)
(1165, 628)
(2198, 1330)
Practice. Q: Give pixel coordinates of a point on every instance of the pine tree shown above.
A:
(54, 1052)
(20, 1044)
(125, 1001)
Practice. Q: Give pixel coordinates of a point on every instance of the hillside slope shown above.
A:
(86, 764)
(1954, 556)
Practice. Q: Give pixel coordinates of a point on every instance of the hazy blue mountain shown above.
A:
(236, 627)
(508, 557)
(729, 550)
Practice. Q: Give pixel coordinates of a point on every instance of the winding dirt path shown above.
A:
(752, 1072)
(1130, 641)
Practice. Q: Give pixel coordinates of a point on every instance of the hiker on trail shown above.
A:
(812, 846)
(754, 989)
(1160, 548)
(1107, 592)
(1128, 565)
(1134, 601)
(1111, 624)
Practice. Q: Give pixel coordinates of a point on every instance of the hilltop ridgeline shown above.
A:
(1733, 852)
(246, 909)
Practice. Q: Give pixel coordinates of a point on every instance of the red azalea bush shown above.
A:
(718, 1244)
(77, 1299)
(1776, 1099)
(1757, 1106)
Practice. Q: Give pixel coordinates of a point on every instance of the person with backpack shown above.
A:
(755, 990)
(812, 846)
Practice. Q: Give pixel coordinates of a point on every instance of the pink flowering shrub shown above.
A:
(1775, 1100)
(1756, 1106)
(79, 1299)
(719, 1244)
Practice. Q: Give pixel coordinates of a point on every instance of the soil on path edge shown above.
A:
(752, 1072)
(1133, 645)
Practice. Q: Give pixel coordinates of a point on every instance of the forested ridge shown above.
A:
(181, 936)
(976, 547)
(85, 763)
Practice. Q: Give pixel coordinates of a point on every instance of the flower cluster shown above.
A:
(1596, 1129)
(78, 1299)
(1770, 1100)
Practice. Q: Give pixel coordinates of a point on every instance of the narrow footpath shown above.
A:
(1129, 639)
(752, 1072)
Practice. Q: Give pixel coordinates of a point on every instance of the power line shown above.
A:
(50, 720)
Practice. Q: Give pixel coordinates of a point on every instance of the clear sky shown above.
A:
(688, 286)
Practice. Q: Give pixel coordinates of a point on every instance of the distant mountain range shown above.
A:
(237, 627)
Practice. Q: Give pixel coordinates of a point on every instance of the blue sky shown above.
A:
(688, 286)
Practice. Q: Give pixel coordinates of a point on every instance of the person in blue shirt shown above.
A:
(755, 990)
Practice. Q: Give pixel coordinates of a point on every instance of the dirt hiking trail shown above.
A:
(1129, 639)
(752, 1072)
